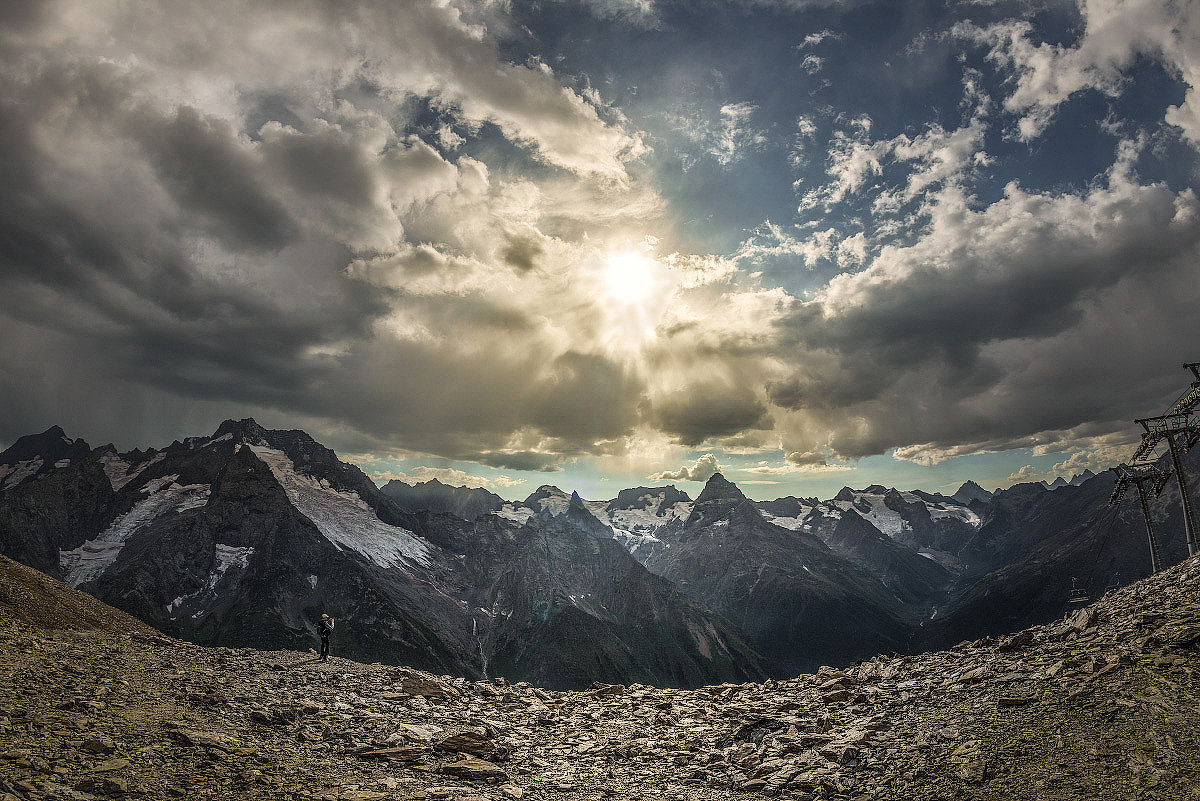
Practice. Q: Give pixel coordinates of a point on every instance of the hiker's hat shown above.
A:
(325, 617)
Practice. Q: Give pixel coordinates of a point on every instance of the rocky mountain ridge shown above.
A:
(469, 503)
(955, 568)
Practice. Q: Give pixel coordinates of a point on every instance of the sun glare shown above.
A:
(635, 289)
(631, 278)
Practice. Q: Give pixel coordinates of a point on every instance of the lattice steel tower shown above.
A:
(1179, 427)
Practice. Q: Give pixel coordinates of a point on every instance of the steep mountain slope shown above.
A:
(247, 536)
(801, 604)
(1021, 517)
(434, 496)
(30, 598)
(579, 608)
(911, 577)
(1050, 540)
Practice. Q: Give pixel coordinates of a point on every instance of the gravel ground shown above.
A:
(1104, 704)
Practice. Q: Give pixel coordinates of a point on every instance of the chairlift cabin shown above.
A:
(1078, 596)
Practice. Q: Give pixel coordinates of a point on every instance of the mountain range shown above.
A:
(246, 536)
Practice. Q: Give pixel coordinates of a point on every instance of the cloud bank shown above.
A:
(380, 224)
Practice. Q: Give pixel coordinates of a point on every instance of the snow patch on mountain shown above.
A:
(118, 470)
(88, 561)
(942, 511)
(872, 507)
(646, 520)
(515, 512)
(224, 557)
(555, 504)
(792, 523)
(155, 484)
(15, 474)
(91, 559)
(638, 545)
(343, 517)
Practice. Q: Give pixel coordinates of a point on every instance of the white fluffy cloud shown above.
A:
(1116, 33)
(1026, 473)
(703, 469)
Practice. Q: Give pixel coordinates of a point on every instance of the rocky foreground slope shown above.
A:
(1104, 704)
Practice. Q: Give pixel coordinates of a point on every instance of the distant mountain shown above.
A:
(38, 455)
(931, 525)
(1075, 480)
(1040, 542)
(911, 577)
(434, 496)
(579, 608)
(970, 491)
(1080, 478)
(637, 513)
(245, 537)
(800, 603)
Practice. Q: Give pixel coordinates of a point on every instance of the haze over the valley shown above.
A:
(605, 244)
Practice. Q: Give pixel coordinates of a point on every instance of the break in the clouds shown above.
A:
(620, 236)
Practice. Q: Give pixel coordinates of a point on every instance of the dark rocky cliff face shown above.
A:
(1046, 540)
(434, 496)
(38, 518)
(801, 604)
(578, 605)
(912, 578)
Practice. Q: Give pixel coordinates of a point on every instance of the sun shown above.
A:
(631, 279)
(633, 291)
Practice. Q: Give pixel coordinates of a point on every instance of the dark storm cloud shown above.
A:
(102, 249)
(521, 252)
(936, 345)
(586, 397)
(471, 402)
(708, 410)
(520, 460)
(176, 250)
(210, 215)
(200, 162)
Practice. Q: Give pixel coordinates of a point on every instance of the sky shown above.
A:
(606, 243)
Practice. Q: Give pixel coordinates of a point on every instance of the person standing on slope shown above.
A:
(325, 628)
